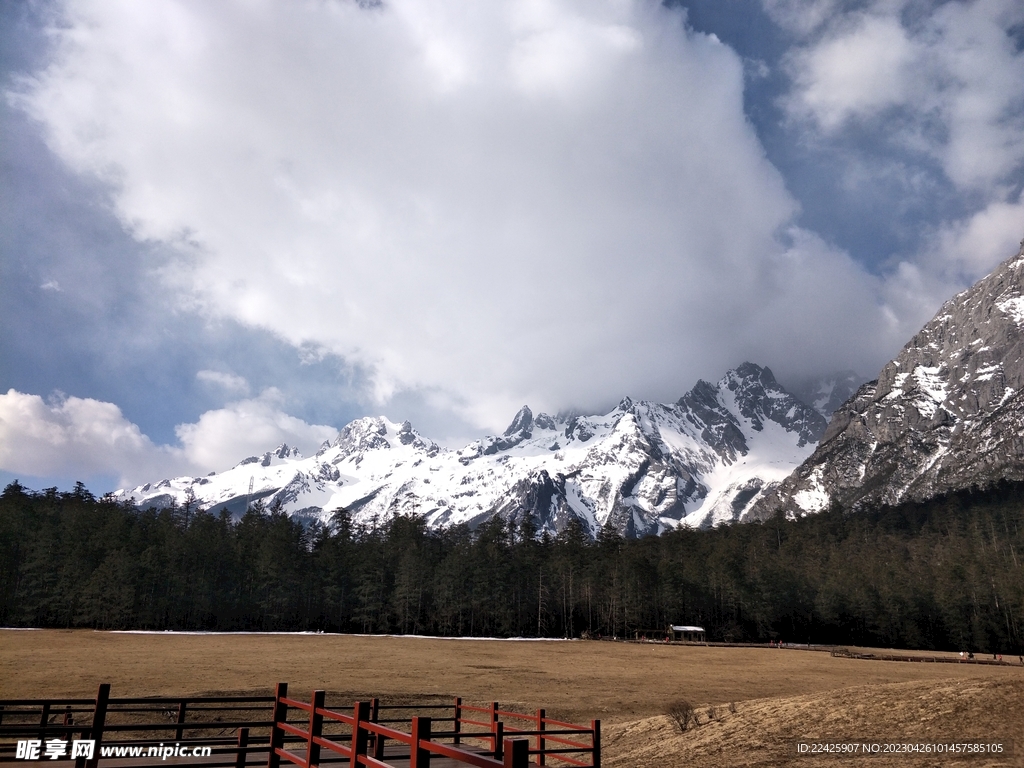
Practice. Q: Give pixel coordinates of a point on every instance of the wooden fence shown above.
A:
(845, 653)
(249, 731)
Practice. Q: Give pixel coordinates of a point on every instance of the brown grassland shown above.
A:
(779, 696)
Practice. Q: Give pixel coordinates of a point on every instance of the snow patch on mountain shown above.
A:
(1014, 308)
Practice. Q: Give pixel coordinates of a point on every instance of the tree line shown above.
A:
(944, 574)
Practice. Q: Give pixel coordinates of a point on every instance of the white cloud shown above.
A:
(82, 437)
(554, 201)
(955, 74)
(956, 255)
(973, 246)
(245, 428)
(857, 72)
(813, 288)
(941, 85)
(229, 382)
(68, 436)
(800, 16)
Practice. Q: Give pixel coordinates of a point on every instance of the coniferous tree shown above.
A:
(946, 573)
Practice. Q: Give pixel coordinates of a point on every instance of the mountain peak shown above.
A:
(522, 422)
(753, 371)
(365, 434)
(759, 398)
(284, 452)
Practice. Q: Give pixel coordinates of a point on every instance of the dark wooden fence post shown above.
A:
(84, 734)
(376, 738)
(419, 757)
(517, 753)
(68, 721)
(44, 720)
(495, 745)
(541, 725)
(316, 727)
(458, 721)
(280, 715)
(243, 742)
(499, 739)
(360, 737)
(178, 734)
(595, 727)
(99, 717)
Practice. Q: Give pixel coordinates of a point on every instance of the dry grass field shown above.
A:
(779, 695)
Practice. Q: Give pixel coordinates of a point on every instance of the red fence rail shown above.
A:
(237, 728)
(583, 742)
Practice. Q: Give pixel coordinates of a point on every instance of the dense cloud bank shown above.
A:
(500, 204)
(442, 210)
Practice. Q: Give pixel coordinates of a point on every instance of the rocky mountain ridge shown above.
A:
(642, 468)
(946, 413)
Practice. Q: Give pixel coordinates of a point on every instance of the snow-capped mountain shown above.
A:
(946, 414)
(644, 467)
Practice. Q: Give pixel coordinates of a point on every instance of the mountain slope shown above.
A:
(642, 468)
(946, 413)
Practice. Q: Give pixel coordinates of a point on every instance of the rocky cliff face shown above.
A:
(947, 413)
(643, 468)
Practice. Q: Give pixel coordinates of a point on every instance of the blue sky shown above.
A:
(225, 226)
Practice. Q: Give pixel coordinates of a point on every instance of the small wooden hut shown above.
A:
(681, 632)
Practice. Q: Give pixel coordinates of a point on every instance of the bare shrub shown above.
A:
(683, 714)
(732, 707)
